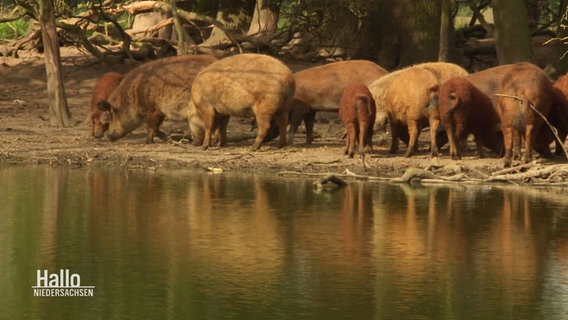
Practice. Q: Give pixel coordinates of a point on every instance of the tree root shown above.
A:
(540, 172)
(413, 174)
(532, 174)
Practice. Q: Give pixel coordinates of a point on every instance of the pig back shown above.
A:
(443, 70)
(489, 81)
(238, 83)
(163, 84)
(321, 87)
(407, 98)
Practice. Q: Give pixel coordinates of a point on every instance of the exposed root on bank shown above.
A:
(529, 174)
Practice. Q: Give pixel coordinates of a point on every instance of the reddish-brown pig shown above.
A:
(320, 88)
(242, 85)
(104, 87)
(152, 92)
(464, 109)
(357, 110)
(526, 94)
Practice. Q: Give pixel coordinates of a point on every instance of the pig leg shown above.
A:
(395, 132)
(530, 135)
(153, 124)
(351, 139)
(508, 142)
(309, 121)
(298, 113)
(413, 132)
(362, 143)
(222, 131)
(369, 138)
(281, 119)
(263, 123)
(434, 125)
(209, 124)
(478, 144)
(347, 139)
(453, 141)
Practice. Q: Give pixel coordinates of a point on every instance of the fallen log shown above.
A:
(318, 184)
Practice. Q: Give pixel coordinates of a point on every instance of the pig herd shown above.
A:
(500, 107)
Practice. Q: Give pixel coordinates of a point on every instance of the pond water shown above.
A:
(200, 246)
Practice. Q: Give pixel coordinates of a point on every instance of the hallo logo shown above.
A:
(61, 284)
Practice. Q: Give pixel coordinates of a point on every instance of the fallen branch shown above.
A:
(152, 29)
(535, 173)
(514, 169)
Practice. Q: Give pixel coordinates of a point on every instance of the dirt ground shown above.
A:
(27, 138)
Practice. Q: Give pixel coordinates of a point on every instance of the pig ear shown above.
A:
(104, 105)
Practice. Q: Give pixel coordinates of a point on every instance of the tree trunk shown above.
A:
(264, 19)
(405, 41)
(511, 31)
(58, 111)
(447, 52)
(233, 17)
(182, 37)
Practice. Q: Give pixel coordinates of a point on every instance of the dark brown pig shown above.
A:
(408, 107)
(526, 94)
(558, 118)
(320, 88)
(464, 109)
(489, 81)
(241, 85)
(357, 110)
(104, 87)
(152, 92)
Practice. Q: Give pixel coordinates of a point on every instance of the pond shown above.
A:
(201, 246)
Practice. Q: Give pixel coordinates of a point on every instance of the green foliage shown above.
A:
(13, 29)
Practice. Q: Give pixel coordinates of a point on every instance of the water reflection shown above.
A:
(203, 246)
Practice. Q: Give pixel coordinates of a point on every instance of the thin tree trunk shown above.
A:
(182, 36)
(58, 110)
(264, 19)
(232, 16)
(446, 26)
